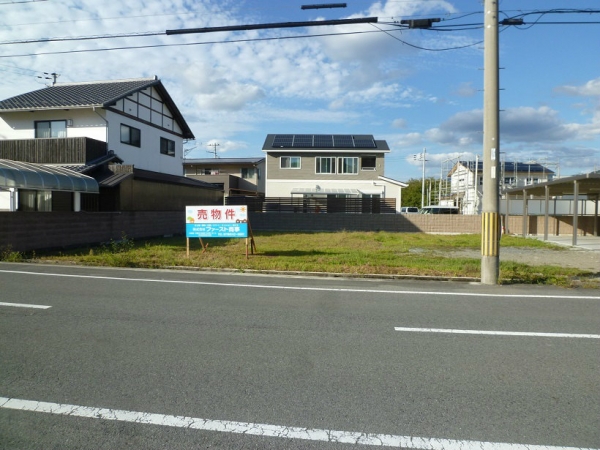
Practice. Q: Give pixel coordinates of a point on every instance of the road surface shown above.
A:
(116, 358)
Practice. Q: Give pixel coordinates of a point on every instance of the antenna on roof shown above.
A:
(214, 145)
(50, 76)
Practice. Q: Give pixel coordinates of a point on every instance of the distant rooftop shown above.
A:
(508, 166)
(332, 142)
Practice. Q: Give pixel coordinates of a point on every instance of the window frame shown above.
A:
(332, 165)
(368, 158)
(248, 173)
(290, 166)
(341, 166)
(131, 141)
(37, 122)
(165, 149)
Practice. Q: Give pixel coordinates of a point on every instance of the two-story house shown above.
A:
(127, 134)
(326, 166)
(235, 176)
(466, 182)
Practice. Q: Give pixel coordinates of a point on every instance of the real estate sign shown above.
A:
(216, 221)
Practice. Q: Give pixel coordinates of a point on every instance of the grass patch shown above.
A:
(343, 252)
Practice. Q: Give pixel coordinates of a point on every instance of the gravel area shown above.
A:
(569, 257)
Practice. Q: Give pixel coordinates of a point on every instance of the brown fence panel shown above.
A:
(315, 205)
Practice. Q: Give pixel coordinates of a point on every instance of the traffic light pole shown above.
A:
(490, 218)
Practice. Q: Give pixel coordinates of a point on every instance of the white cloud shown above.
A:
(399, 123)
(589, 89)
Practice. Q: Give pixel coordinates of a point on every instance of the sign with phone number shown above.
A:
(216, 221)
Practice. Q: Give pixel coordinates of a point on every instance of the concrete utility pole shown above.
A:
(490, 218)
(421, 157)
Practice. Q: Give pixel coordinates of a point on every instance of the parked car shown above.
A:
(409, 210)
(439, 210)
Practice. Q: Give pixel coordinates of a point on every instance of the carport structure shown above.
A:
(580, 185)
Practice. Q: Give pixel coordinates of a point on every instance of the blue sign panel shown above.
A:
(216, 230)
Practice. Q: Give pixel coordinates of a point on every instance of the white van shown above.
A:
(409, 210)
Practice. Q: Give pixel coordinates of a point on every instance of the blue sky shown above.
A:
(417, 89)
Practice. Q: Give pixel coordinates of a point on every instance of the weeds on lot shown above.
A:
(8, 255)
(358, 253)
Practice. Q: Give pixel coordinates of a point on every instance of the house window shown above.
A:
(130, 135)
(325, 165)
(509, 180)
(209, 171)
(35, 200)
(348, 165)
(368, 163)
(167, 147)
(248, 172)
(289, 162)
(51, 129)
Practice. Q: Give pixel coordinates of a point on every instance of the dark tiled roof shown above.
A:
(91, 94)
(140, 174)
(76, 95)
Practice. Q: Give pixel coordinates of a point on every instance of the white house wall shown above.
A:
(147, 156)
(83, 123)
(148, 105)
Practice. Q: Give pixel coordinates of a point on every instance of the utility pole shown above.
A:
(214, 145)
(490, 219)
(421, 157)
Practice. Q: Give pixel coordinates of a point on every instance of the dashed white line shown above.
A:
(25, 305)
(311, 288)
(499, 333)
(257, 429)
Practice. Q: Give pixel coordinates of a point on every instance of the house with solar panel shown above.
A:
(464, 183)
(325, 167)
(123, 137)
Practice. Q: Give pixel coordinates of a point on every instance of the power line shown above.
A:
(186, 44)
(21, 1)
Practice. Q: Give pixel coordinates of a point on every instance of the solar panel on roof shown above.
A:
(364, 143)
(303, 140)
(283, 140)
(343, 140)
(323, 140)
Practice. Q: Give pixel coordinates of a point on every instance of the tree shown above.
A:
(411, 195)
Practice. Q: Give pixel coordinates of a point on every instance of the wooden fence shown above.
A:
(315, 205)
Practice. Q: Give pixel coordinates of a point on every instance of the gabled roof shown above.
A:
(330, 143)
(506, 166)
(98, 94)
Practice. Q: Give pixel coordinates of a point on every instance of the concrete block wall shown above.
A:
(24, 231)
(365, 222)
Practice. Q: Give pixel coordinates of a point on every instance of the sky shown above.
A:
(421, 90)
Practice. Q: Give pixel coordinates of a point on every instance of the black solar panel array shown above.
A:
(323, 141)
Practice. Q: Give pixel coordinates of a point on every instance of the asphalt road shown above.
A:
(176, 360)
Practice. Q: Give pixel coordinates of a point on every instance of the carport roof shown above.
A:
(588, 184)
(21, 175)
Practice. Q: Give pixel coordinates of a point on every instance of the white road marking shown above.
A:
(257, 429)
(25, 305)
(304, 288)
(499, 333)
